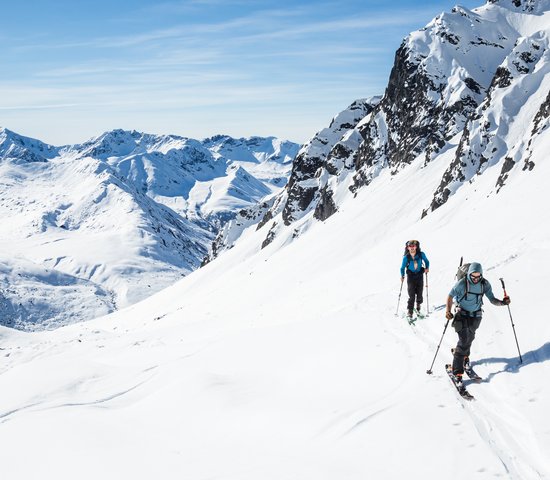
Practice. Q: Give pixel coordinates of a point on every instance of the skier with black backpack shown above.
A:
(468, 293)
(414, 263)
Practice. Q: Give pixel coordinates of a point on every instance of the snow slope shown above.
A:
(289, 362)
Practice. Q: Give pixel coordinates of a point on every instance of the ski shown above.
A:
(472, 375)
(411, 320)
(460, 388)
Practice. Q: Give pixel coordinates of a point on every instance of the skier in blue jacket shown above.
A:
(414, 263)
(468, 293)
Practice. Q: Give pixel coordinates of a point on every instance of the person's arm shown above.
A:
(488, 290)
(403, 266)
(426, 262)
(448, 313)
(455, 292)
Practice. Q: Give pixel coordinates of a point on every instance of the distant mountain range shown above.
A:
(119, 217)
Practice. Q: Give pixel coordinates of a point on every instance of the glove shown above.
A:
(448, 315)
(506, 300)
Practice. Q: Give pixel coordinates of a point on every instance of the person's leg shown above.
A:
(466, 329)
(411, 288)
(419, 291)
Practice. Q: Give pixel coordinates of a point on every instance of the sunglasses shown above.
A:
(412, 243)
(475, 278)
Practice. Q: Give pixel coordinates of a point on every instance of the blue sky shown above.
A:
(71, 70)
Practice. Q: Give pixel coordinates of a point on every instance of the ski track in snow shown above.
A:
(504, 429)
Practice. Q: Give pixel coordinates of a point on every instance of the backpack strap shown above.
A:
(467, 289)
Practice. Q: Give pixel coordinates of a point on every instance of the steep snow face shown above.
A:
(116, 218)
(441, 74)
(472, 82)
(503, 131)
(324, 147)
(331, 150)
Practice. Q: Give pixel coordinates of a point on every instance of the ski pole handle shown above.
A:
(503, 286)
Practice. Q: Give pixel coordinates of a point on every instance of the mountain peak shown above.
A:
(23, 149)
(527, 6)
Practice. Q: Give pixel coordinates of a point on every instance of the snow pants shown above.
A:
(415, 285)
(466, 327)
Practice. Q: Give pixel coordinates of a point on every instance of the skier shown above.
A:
(412, 263)
(468, 293)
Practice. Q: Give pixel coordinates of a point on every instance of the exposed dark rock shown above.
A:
(528, 165)
(325, 206)
(412, 118)
(482, 41)
(270, 235)
(506, 167)
(542, 114)
(502, 78)
(323, 153)
(473, 85)
(450, 37)
(454, 173)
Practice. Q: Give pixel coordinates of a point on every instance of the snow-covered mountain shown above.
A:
(289, 361)
(333, 148)
(474, 83)
(90, 228)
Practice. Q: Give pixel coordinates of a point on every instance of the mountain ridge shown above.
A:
(456, 84)
(151, 203)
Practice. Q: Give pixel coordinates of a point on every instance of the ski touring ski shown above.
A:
(411, 319)
(472, 375)
(460, 388)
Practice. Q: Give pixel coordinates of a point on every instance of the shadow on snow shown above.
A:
(513, 365)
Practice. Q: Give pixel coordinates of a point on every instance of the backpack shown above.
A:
(462, 271)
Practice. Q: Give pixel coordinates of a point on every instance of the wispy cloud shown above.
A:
(265, 24)
(216, 59)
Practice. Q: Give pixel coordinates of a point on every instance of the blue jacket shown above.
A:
(469, 295)
(418, 259)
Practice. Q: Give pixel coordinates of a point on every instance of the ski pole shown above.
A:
(429, 371)
(511, 320)
(399, 299)
(427, 296)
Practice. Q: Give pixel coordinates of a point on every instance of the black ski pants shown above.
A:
(415, 286)
(466, 327)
